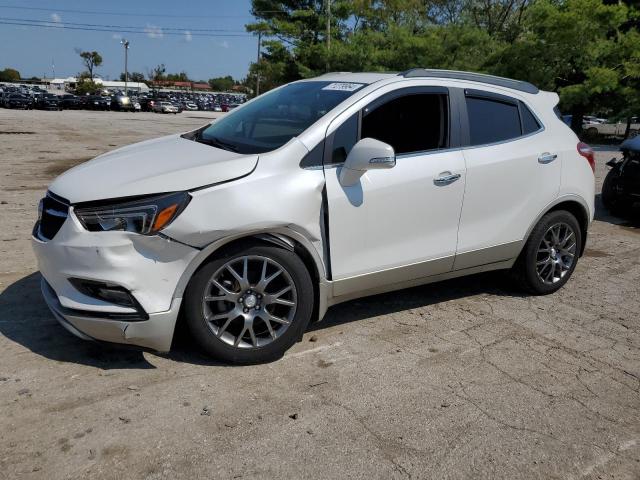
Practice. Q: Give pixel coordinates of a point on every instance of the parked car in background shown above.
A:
(48, 101)
(610, 129)
(70, 102)
(164, 107)
(147, 103)
(121, 103)
(226, 107)
(621, 187)
(592, 119)
(321, 191)
(190, 106)
(17, 100)
(96, 102)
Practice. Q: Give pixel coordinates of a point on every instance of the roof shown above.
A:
(473, 77)
(372, 77)
(364, 77)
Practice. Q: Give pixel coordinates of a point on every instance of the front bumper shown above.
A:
(149, 267)
(155, 333)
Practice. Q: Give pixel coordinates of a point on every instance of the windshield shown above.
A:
(276, 117)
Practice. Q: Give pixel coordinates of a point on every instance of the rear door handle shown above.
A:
(446, 178)
(547, 157)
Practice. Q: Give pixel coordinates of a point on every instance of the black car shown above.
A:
(621, 187)
(95, 102)
(69, 101)
(48, 101)
(121, 103)
(16, 100)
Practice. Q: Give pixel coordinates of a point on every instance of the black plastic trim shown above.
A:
(473, 77)
(85, 287)
(470, 92)
(403, 92)
(72, 312)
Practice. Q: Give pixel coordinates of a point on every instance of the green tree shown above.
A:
(577, 48)
(178, 77)
(157, 73)
(91, 61)
(222, 84)
(9, 75)
(86, 86)
(133, 77)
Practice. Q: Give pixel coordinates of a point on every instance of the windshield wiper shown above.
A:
(216, 142)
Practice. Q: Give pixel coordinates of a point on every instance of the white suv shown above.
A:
(320, 191)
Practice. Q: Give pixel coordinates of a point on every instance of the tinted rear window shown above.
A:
(492, 121)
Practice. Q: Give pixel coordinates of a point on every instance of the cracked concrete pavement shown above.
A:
(462, 379)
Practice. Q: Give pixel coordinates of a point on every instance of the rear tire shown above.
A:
(592, 132)
(610, 199)
(550, 255)
(237, 318)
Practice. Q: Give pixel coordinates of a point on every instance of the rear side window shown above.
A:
(411, 123)
(492, 121)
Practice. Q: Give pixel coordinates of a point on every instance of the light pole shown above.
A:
(125, 43)
(258, 64)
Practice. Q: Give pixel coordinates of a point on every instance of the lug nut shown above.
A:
(246, 310)
(257, 307)
(241, 299)
(259, 295)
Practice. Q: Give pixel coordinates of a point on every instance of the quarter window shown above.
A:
(344, 138)
(411, 123)
(529, 122)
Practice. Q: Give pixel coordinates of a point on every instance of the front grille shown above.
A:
(54, 213)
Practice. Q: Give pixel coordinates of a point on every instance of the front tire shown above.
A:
(550, 255)
(250, 304)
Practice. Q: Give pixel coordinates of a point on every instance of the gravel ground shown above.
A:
(462, 379)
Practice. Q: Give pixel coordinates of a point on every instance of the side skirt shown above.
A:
(499, 257)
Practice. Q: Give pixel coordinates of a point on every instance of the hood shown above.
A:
(166, 164)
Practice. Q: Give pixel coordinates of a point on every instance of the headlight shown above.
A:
(147, 216)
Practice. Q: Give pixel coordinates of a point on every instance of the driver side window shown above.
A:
(410, 123)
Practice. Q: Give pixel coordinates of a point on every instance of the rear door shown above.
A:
(513, 173)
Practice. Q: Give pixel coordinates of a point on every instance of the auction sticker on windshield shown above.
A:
(343, 86)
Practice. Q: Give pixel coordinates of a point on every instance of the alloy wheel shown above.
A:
(250, 301)
(556, 253)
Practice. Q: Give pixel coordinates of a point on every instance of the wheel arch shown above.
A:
(285, 238)
(572, 204)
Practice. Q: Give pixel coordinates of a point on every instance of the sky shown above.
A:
(170, 32)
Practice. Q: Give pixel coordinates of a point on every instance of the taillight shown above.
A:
(587, 152)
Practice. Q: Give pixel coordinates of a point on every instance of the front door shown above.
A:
(401, 223)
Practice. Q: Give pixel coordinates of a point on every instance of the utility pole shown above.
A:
(328, 31)
(125, 43)
(328, 25)
(258, 64)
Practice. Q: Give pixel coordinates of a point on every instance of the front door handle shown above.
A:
(446, 178)
(547, 157)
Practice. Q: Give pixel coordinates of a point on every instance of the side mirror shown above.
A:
(367, 154)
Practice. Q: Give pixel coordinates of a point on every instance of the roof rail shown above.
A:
(471, 76)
